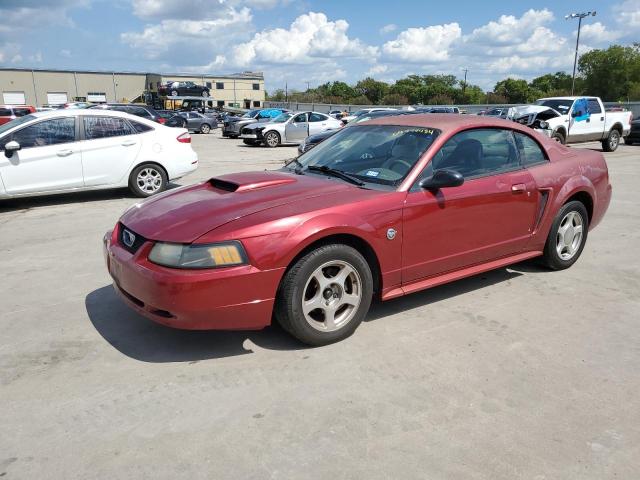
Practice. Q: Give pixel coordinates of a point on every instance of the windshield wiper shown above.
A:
(299, 166)
(336, 173)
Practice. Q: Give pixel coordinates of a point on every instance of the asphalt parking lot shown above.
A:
(517, 373)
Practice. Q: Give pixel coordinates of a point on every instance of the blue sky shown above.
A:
(310, 41)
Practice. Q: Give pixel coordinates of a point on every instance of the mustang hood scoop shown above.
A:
(249, 184)
(185, 214)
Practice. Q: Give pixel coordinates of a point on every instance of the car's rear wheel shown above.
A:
(204, 128)
(567, 236)
(148, 179)
(628, 141)
(610, 144)
(174, 93)
(325, 295)
(205, 93)
(272, 139)
(558, 137)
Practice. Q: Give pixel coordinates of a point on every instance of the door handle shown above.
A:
(128, 144)
(518, 188)
(601, 119)
(64, 153)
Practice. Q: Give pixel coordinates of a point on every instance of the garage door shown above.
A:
(13, 98)
(96, 97)
(56, 98)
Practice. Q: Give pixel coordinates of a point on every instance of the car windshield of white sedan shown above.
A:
(383, 154)
(282, 118)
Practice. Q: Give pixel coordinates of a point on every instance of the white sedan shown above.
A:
(71, 150)
(288, 128)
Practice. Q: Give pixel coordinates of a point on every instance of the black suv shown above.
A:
(143, 111)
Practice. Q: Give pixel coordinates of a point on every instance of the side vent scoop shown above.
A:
(223, 185)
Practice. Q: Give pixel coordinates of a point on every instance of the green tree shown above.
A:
(514, 90)
(553, 84)
(361, 100)
(394, 99)
(610, 73)
(372, 89)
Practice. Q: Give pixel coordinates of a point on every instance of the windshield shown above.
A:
(360, 112)
(561, 105)
(16, 122)
(250, 114)
(383, 154)
(282, 118)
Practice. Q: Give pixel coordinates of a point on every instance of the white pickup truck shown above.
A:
(575, 120)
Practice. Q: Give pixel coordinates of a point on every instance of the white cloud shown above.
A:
(423, 45)
(309, 37)
(198, 35)
(197, 9)
(627, 15)
(392, 27)
(377, 69)
(597, 34)
(509, 30)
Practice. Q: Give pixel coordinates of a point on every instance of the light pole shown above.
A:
(579, 16)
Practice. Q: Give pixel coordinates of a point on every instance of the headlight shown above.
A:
(544, 125)
(212, 255)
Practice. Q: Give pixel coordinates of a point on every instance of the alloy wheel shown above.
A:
(569, 236)
(149, 180)
(331, 296)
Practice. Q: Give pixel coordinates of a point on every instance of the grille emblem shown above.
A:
(128, 238)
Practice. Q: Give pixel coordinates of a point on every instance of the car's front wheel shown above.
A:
(147, 179)
(567, 236)
(174, 93)
(205, 93)
(325, 295)
(558, 137)
(272, 139)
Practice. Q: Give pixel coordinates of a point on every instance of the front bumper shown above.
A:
(233, 298)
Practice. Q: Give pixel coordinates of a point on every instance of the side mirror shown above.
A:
(11, 147)
(442, 179)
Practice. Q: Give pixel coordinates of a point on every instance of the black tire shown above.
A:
(288, 307)
(250, 142)
(174, 93)
(559, 137)
(205, 93)
(272, 139)
(205, 128)
(140, 190)
(628, 141)
(551, 258)
(610, 144)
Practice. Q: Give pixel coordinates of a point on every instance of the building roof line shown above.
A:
(243, 75)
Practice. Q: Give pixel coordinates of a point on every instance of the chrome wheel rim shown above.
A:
(204, 129)
(569, 236)
(331, 296)
(272, 140)
(613, 140)
(149, 180)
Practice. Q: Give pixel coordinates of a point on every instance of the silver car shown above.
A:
(288, 129)
(197, 122)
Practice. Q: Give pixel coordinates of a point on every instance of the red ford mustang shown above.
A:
(384, 208)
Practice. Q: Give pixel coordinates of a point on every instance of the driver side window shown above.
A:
(476, 153)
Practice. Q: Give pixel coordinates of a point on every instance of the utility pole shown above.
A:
(308, 85)
(579, 16)
(286, 92)
(464, 85)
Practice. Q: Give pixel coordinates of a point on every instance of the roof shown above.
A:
(245, 75)
(444, 121)
(70, 112)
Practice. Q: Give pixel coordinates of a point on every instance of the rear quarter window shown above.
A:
(530, 152)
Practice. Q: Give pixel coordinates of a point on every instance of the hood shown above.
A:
(183, 215)
(257, 125)
(521, 111)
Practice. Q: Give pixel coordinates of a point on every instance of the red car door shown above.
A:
(490, 215)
